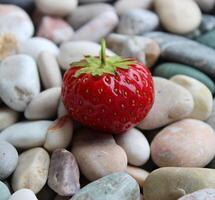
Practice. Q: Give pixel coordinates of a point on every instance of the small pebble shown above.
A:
(4, 191)
(7, 117)
(23, 194)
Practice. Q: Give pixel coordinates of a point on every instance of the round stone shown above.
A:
(4, 191)
(23, 194)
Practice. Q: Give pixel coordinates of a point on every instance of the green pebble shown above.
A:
(167, 70)
(208, 39)
(4, 192)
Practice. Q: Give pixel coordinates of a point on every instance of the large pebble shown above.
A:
(23, 194)
(7, 117)
(59, 134)
(34, 46)
(143, 49)
(211, 119)
(26, 135)
(8, 159)
(64, 173)
(49, 70)
(96, 152)
(135, 145)
(15, 20)
(19, 81)
(171, 183)
(176, 21)
(168, 93)
(115, 186)
(75, 51)
(203, 99)
(206, 5)
(137, 22)
(55, 7)
(97, 28)
(194, 137)
(32, 170)
(44, 105)
(4, 191)
(168, 70)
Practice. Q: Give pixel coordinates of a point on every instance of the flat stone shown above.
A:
(26, 135)
(44, 105)
(23, 194)
(204, 194)
(4, 191)
(32, 170)
(115, 186)
(19, 81)
(64, 173)
(96, 152)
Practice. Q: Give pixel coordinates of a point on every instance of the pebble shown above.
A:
(96, 152)
(49, 70)
(204, 194)
(123, 6)
(115, 186)
(59, 134)
(64, 173)
(15, 20)
(76, 50)
(84, 13)
(23, 194)
(8, 159)
(55, 29)
(203, 99)
(97, 28)
(26, 135)
(44, 105)
(138, 174)
(185, 51)
(208, 23)
(208, 39)
(194, 137)
(143, 49)
(168, 93)
(170, 183)
(211, 119)
(137, 22)
(19, 81)
(135, 145)
(61, 109)
(7, 117)
(32, 170)
(34, 46)
(206, 5)
(176, 21)
(4, 191)
(54, 7)
(168, 70)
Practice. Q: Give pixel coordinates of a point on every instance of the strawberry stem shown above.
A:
(103, 53)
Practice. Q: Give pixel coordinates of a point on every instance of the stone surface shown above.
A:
(32, 170)
(97, 28)
(44, 105)
(49, 70)
(8, 159)
(208, 39)
(59, 134)
(34, 46)
(26, 135)
(19, 81)
(96, 152)
(206, 5)
(137, 22)
(172, 183)
(203, 99)
(64, 173)
(23, 194)
(204, 194)
(4, 191)
(55, 29)
(194, 137)
(143, 49)
(168, 70)
(55, 7)
(115, 186)
(15, 20)
(207, 24)
(168, 93)
(176, 21)
(211, 119)
(76, 50)
(135, 145)
(7, 117)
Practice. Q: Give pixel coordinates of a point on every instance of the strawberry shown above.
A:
(109, 94)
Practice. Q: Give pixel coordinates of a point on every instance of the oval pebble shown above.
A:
(135, 145)
(32, 170)
(7, 117)
(194, 137)
(23, 194)
(26, 135)
(4, 191)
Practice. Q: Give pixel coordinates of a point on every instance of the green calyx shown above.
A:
(97, 66)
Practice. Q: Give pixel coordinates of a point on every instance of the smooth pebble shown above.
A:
(4, 191)
(7, 117)
(23, 194)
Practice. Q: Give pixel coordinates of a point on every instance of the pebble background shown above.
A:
(45, 155)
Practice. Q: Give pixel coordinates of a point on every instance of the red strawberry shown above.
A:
(109, 94)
